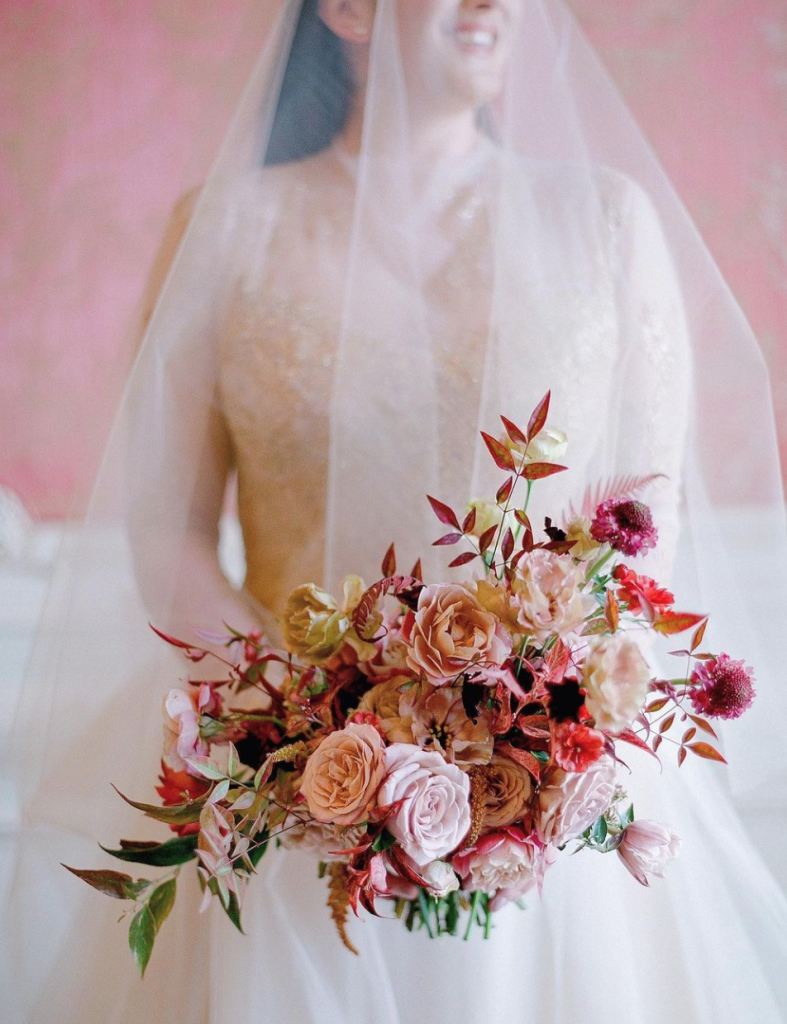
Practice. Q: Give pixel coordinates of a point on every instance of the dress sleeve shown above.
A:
(654, 377)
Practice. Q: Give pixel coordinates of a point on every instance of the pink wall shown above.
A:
(100, 102)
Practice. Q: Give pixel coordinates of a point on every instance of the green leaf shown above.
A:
(141, 936)
(383, 842)
(220, 791)
(159, 855)
(233, 761)
(179, 814)
(111, 883)
(426, 913)
(161, 901)
(599, 831)
(205, 767)
(629, 815)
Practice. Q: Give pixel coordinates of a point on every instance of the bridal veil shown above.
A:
(580, 230)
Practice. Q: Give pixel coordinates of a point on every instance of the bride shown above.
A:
(426, 213)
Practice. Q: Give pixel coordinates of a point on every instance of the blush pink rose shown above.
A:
(450, 631)
(616, 677)
(647, 847)
(343, 774)
(504, 864)
(569, 802)
(434, 816)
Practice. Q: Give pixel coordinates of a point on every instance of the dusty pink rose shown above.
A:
(569, 802)
(546, 596)
(182, 711)
(647, 847)
(450, 631)
(616, 677)
(504, 864)
(343, 774)
(435, 814)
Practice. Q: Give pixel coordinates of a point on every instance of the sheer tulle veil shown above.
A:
(577, 215)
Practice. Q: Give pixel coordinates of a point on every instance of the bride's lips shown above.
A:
(475, 37)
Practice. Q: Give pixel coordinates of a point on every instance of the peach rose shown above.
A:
(616, 677)
(509, 791)
(384, 701)
(343, 774)
(450, 632)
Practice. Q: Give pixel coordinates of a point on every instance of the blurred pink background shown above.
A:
(102, 105)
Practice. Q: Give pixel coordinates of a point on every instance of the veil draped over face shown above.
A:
(344, 315)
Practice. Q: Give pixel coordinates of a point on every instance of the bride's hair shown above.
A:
(316, 92)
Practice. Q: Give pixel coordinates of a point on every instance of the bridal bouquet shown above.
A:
(437, 745)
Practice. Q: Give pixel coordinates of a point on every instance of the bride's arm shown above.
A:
(655, 375)
(180, 460)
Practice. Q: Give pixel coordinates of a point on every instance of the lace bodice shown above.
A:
(278, 343)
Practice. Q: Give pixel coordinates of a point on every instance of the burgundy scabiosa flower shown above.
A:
(627, 526)
(722, 688)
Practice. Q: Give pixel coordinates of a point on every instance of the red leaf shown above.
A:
(689, 734)
(539, 416)
(527, 540)
(508, 545)
(463, 559)
(612, 612)
(707, 751)
(193, 653)
(657, 743)
(594, 627)
(486, 539)
(502, 456)
(680, 654)
(450, 538)
(389, 562)
(469, 521)
(540, 470)
(562, 547)
(523, 758)
(631, 737)
(504, 493)
(681, 756)
(696, 640)
(417, 571)
(523, 519)
(399, 586)
(444, 513)
(669, 623)
(657, 705)
(513, 431)
(705, 726)
(667, 723)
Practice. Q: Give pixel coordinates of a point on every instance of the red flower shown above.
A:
(723, 688)
(177, 788)
(632, 586)
(626, 526)
(577, 747)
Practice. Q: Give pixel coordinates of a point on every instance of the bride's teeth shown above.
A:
(476, 37)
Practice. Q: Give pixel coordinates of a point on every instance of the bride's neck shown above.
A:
(431, 137)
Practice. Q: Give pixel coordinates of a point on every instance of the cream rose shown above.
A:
(585, 545)
(549, 445)
(509, 791)
(315, 627)
(450, 631)
(435, 814)
(616, 677)
(569, 802)
(440, 878)
(343, 774)
(487, 515)
(546, 596)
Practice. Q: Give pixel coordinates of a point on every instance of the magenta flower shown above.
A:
(627, 526)
(722, 688)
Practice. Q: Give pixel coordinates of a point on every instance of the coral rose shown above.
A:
(509, 791)
(343, 774)
(450, 631)
(647, 847)
(616, 677)
(435, 814)
(569, 802)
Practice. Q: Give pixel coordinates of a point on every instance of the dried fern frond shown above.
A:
(339, 902)
(616, 488)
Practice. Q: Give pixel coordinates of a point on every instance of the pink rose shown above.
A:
(647, 847)
(569, 802)
(450, 632)
(504, 864)
(182, 711)
(435, 814)
(343, 774)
